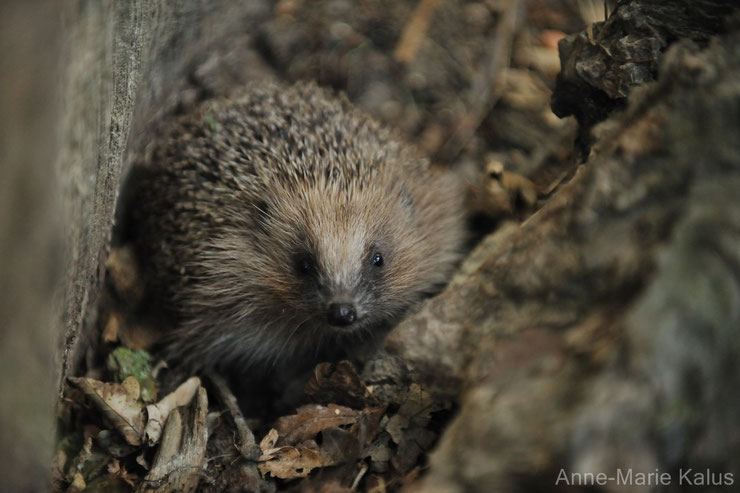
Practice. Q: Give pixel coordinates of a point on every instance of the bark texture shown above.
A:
(179, 460)
(603, 332)
(601, 65)
(82, 82)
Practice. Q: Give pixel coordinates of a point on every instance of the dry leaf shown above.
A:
(408, 428)
(119, 407)
(269, 441)
(291, 462)
(311, 420)
(339, 384)
(132, 387)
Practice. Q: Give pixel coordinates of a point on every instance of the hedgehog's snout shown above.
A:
(341, 314)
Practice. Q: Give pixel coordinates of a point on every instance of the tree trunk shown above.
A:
(82, 81)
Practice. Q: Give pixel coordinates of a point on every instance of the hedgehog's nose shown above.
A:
(342, 314)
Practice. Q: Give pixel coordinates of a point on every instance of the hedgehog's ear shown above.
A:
(261, 215)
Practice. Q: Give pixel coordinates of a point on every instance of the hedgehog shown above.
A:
(282, 227)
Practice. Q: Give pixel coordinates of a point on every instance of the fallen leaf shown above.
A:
(120, 408)
(132, 387)
(269, 441)
(310, 420)
(408, 428)
(340, 445)
(299, 453)
(367, 426)
(380, 453)
(339, 384)
(290, 462)
(415, 442)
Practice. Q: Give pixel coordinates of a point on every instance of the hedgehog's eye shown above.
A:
(377, 259)
(304, 265)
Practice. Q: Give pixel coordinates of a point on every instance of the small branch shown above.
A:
(158, 413)
(247, 444)
(415, 30)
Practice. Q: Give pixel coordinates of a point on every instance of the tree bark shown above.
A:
(602, 334)
(82, 82)
(601, 65)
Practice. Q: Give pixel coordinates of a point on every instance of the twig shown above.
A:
(247, 444)
(415, 30)
(158, 413)
(359, 476)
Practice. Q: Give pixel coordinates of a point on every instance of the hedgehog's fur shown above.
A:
(235, 198)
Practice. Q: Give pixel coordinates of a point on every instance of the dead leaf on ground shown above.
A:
(408, 428)
(310, 420)
(367, 426)
(339, 384)
(118, 405)
(269, 441)
(292, 462)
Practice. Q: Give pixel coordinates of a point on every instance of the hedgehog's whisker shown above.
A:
(288, 339)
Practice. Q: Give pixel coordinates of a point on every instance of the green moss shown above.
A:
(124, 363)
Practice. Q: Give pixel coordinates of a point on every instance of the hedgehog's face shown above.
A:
(339, 280)
(340, 264)
(320, 260)
(344, 263)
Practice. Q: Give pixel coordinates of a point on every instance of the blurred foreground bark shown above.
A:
(30, 240)
(602, 333)
(82, 81)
